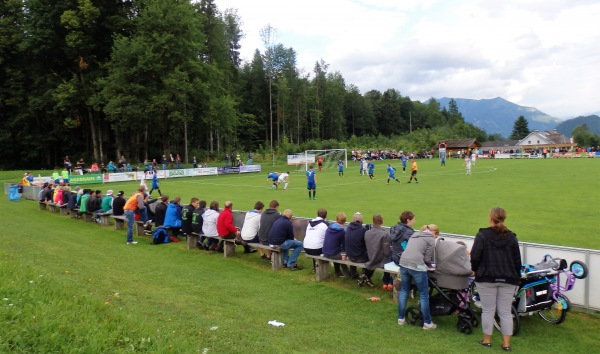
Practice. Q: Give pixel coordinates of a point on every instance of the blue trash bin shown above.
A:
(13, 193)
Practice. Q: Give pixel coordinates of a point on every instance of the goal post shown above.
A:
(330, 157)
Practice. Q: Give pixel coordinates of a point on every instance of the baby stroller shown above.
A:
(449, 283)
(541, 291)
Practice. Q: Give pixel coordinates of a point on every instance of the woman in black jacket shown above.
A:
(496, 261)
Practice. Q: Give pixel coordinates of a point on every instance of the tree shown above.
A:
(584, 137)
(520, 129)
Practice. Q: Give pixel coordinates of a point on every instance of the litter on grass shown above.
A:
(274, 323)
(213, 328)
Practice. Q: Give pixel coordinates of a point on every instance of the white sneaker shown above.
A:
(429, 326)
(132, 243)
(401, 321)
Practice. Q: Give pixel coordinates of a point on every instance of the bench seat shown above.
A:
(276, 255)
(119, 221)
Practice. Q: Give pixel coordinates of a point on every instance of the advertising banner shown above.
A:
(119, 177)
(179, 173)
(205, 171)
(300, 159)
(250, 168)
(90, 178)
(228, 169)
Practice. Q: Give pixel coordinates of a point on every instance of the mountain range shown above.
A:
(498, 115)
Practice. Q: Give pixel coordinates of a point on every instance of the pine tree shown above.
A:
(520, 129)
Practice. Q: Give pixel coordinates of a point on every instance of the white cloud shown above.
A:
(539, 53)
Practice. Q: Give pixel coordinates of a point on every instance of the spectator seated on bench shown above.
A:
(356, 250)
(160, 210)
(173, 216)
(334, 245)
(186, 218)
(267, 218)
(209, 226)
(226, 228)
(282, 236)
(315, 235)
(197, 221)
(378, 245)
(250, 228)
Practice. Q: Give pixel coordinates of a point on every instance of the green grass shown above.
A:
(78, 288)
(547, 201)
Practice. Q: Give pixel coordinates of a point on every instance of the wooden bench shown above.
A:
(74, 213)
(104, 218)
(139, 228)
(88, 216)
(119, 221)
(228, 245)
(192, 240)
(43, 205)
(63, 209)
(53, 207)
(276, 255)
(322, 269)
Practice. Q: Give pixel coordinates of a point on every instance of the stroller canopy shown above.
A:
(453, 266)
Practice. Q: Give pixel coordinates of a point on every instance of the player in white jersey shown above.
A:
(284, 177)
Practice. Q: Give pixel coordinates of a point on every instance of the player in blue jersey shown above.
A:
(274, 177)
(341, 168)
(311, 183)
(370, 168)
(391, 174)
(404, 159)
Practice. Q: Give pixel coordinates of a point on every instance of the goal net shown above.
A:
(329, 158)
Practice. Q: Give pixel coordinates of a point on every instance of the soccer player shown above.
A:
(155, 183)
(371, 167)
(311, 183)
(391, 174)
(340, 168)
(443, 160)
(274, 177)
(413, 173)
(403, 158)
(320, 162)
(284, 178)
(364, 166)
(468, 165)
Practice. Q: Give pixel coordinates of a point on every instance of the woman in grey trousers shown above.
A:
(496, 261)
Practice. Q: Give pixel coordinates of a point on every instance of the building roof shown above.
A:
(499, 143)
(460, 143)
(550, 137)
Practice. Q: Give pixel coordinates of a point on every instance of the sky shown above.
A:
(535, 53)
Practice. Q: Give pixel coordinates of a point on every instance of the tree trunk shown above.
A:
(185, 141)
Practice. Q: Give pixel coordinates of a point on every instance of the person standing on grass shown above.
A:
(284, 178)
(155, 185)
(320, 162)
(341, 168)
(274, 178)
(282, 236)
(134, 204)
(391, 174)
(414, 262)
(403, 158)
(468, 165)
(413, 173)
(311, 183)
(377, 241)
(371, 168)
(496, 261)
(315, 235)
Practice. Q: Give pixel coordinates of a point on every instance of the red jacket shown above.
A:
(225, 224)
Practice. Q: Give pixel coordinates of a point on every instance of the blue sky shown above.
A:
(537, 53)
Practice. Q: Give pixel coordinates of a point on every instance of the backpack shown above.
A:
(160, 235)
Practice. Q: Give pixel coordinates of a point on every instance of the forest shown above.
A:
(141, 78)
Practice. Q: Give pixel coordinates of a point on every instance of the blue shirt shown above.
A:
(370, 166)
(391, 171)
(274, 176)
(404, 160)
(340, 166)
(310, 174)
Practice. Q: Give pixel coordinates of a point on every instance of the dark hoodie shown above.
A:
(267, 219)
(399, 236)
(496, 258)
(335, 239)
(355, 241)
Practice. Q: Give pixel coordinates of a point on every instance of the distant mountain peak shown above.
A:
(498, 115)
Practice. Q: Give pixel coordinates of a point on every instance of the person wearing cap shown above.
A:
(118, 203)
(24, 180)
(107, 201)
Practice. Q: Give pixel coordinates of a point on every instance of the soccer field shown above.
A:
(551, 201)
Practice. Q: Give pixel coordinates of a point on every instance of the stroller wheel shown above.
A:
(464, 326)
(413, 316)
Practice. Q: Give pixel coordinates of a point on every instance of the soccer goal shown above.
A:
(330, 158)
